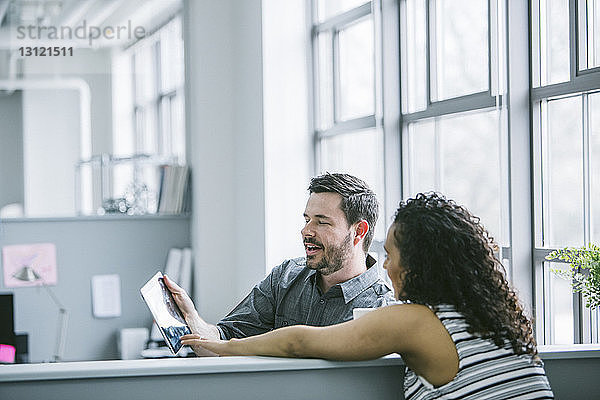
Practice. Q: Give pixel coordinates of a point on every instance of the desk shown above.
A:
(573, 372)
(205, 378)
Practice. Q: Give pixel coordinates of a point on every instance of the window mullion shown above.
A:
(470, 102)
(339, 21)
(585, 314)
(492, 46)
(335, 65)
(545, 181)
(370, 121)
(536, 44)
(586, 169)
(439, 161)
(431, 55)
(548, 321)
(583, 61)
(573, 39)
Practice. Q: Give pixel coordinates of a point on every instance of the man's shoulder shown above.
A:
(290, 270)
(291, 264)
(376, 295)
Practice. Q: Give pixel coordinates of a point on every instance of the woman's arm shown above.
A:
(392, 329)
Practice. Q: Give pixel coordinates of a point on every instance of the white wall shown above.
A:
(224, 120)
(60, 126)
(51, 149)
(288, 137)
(247, 117)
(94, 67)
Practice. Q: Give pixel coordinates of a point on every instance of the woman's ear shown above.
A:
(360, 231)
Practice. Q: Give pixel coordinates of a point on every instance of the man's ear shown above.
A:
(360, 231)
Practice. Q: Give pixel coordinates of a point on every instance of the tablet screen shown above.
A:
(166, 314)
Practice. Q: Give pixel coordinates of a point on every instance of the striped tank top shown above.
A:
(485, 371)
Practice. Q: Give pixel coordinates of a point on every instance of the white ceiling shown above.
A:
(73, 13)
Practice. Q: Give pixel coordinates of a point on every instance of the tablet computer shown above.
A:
(166, 314)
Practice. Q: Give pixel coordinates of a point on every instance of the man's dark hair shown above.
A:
(358, 200)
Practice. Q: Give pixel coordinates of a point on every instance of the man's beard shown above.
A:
(333, 257)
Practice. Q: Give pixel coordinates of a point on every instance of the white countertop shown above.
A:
(558, 351)
(216, 365)
(174, 366)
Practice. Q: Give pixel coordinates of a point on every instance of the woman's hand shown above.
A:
(220, 347)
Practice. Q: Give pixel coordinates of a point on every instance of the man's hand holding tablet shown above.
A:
(165, 311)
(197, 325)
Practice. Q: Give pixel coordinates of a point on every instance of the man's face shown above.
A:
(328, 240)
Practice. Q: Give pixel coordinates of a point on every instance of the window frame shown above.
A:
(581, 83)
(387, 99)
(495, 97)
(517, 89)
(154, 40)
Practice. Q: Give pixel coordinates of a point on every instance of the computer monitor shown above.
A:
(7, 319)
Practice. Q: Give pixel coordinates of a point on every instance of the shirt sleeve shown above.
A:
(255, 314)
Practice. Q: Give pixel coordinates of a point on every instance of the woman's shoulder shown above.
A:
(410, 314)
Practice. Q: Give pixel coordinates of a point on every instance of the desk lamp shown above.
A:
(27, 274)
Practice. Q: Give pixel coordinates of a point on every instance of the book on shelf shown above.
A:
(174, 182)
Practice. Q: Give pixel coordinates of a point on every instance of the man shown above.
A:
(336, 276)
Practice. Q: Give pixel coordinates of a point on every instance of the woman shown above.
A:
(462, 334)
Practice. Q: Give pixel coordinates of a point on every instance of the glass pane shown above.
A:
(325, 81)
(423, 157)
(165, 126)
(459, 53)
(562, 163)
(122, 176)
(134, 188)
(361, 154)
(553, 31)
(561, 306)
(414, 55)
(122, 106)
(178, 128)
(594, 112)
(593, 33)
(589, 33)
(330, 8)
(173, 134)
(357, 70)
(146, 131)
(171, 56)
(145, 74)
(459, 156)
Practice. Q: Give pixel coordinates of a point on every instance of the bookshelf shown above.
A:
(137, 185)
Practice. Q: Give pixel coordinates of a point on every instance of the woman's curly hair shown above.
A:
(449, 259)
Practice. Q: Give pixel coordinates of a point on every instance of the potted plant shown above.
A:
(583, 272)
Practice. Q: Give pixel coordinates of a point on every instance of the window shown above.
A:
(454, 131)
(149, 92)
(347, 117)
(466, 129)
(566, 132)
(148, 103)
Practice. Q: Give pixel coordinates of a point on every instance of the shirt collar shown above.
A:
(355, 286)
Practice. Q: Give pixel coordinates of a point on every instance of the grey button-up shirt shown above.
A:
(290, 295)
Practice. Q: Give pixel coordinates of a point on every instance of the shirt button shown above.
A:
(322, 301)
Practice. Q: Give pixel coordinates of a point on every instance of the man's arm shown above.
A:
(256, 313)
(197, 325)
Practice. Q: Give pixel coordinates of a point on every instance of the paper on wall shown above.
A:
(106, 296)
